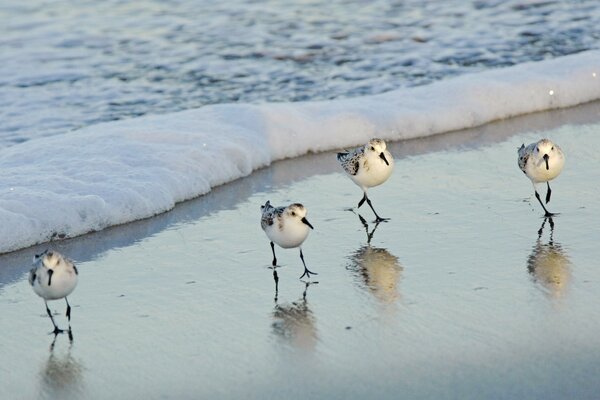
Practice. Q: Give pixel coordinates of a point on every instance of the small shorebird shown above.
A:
(368, 166)
(541, 162)
(53, 277)
(286, 226)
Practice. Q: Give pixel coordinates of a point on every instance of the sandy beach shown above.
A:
(467, 292)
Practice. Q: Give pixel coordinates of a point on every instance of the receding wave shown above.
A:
(108, 174)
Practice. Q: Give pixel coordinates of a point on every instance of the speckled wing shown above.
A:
(524, 153)
(269, 214)
(350, 161)
(32, 276)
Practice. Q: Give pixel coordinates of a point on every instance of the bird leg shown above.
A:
(361, 202)
(537, 196)
(548, 193)
(56, 330)
(379, 219)
(68, 311)
(307, 272)
(273, 250)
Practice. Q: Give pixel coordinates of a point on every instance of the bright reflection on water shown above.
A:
(61, 376)
(376, 269)
(549, 263)
(295, 323)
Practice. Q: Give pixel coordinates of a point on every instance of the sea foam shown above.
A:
(117, 172)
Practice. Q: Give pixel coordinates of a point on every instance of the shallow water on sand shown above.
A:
(458, 296)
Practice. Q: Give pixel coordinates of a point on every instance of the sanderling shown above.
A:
(286, 226)
(52, 278)
(541, 162)
(368, 166)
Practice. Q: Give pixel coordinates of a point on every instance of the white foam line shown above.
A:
(118, 172)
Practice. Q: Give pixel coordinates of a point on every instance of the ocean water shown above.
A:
(67, 65)
(98, 124)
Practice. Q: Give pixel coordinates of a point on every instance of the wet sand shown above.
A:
(468, 292)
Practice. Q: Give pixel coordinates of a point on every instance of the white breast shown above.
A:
(373, 171)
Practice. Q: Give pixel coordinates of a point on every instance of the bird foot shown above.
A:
(56, 331)
(308, 273)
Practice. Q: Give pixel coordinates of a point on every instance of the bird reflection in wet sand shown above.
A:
(378, 269)
(366, 225)
(549, 264)
(295, 322)
(61, 376)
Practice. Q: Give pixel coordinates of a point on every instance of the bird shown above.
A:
(288, 227)
(53, 277)
(541, 162)
(368, 166)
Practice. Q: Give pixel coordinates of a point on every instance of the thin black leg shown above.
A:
(273, 250)
(56, 330)
(307, 272)
(379, 219)
(68, 311)
(548, 193)
(537, 196)
(362, 201)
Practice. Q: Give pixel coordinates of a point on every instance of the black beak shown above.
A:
(307, 223)
(41, 254)
(546, 157)
(382, 156)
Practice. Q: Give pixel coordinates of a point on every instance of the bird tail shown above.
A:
(267, 205)
(341, 156)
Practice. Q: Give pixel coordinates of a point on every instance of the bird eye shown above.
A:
(372, 148)
(537, 149)
(552, 148)
(293, 214)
